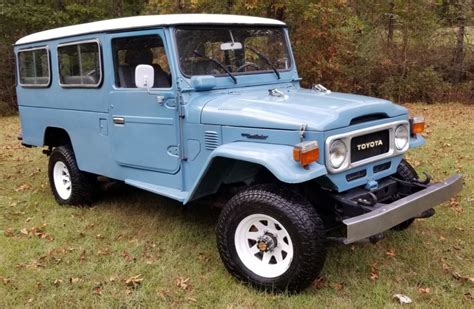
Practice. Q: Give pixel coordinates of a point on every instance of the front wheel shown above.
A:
(405, 172)
(272, 238)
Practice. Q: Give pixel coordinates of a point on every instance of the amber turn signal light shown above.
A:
(417, 125)
(306, 152)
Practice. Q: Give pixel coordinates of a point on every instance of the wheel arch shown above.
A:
(242, 162)
(56, 136)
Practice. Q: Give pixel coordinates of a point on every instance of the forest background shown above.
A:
(403, 50)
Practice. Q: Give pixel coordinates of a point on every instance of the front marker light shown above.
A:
(306, 152)
(417, 125)
(337, 153)
(401, 137)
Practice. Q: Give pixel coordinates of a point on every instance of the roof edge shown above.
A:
(145, 21)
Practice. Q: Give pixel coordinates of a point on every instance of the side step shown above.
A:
(174, 194)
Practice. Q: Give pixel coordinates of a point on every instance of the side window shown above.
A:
(130, 52)
(33, 67)
(79, 65)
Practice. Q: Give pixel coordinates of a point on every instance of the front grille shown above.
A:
(382, 167)
(369, 145)
(356, 175)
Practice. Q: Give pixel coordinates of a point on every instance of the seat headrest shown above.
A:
(135, 57)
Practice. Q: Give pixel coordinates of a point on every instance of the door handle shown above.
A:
(118, 120)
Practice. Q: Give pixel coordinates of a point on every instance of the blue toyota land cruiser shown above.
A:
(195, 106)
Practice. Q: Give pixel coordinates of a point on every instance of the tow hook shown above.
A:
(427, 213)
(376, 238)
(426, 181)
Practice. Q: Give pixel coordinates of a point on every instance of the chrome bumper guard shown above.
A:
(386, 216)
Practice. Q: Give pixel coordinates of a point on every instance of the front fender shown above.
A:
(278, 159)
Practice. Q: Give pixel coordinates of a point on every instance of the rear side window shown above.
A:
(33, 67)
(80, 65)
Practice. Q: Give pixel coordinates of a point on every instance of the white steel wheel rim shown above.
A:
(62, 180)
(248, 236)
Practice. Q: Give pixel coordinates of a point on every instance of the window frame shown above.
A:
(48, 53)
(101, 68)
(115, 60)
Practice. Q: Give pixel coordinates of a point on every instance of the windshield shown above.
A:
(231, 51)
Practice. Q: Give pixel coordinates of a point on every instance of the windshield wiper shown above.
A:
(267, 60)
(218, 63)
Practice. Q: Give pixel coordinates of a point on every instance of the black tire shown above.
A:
(297, 216)
(405, 172)
(83, 186)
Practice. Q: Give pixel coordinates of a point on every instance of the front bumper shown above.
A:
(386, 216)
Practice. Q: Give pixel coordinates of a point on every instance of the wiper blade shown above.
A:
(218, 63)
(267, 60)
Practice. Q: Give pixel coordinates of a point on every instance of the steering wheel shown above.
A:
(247, 64)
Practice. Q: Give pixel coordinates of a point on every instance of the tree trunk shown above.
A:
(458, 59)
(391, 24)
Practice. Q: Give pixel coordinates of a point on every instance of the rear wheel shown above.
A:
(405, 172)
(70, 186)
(272, 238)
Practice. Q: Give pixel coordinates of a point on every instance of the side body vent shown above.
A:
(211, 140)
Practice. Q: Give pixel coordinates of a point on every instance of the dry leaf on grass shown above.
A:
(74, 280)
(460, 277)
(424, 290)
(23, 187)
(134, 281)
(337, 286)
(374, 272)
(182, 283)
(319, 283)
(391, 252)
(8, 232)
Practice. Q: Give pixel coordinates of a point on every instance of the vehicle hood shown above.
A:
(319, 111)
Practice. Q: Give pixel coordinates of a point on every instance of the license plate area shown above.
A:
(369, 145)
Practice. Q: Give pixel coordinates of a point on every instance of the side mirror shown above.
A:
(144, 76)
(203, 82)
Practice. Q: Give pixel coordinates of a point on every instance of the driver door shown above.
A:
(144, 124)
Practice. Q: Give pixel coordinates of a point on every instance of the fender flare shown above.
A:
(278, 159)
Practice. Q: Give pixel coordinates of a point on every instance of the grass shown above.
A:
(54, 256)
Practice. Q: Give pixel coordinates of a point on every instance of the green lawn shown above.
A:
(52, 256)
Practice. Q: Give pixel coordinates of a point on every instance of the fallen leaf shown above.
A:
(98, 291)
(134, 281)
(74, 280)
(8, 232)
(468, 296)
(82, 257)
(374, 272)
(424, 290)
(319, 283)
(391, 252)
(336, 286)
(57, 282)
(402, 299)
(23, 187)
(182, 283)
(5, 280)
(460, 277)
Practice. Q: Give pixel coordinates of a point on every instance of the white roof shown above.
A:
(144, 22)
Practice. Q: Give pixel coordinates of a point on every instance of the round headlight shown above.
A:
(401, 137)
(337, 153)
